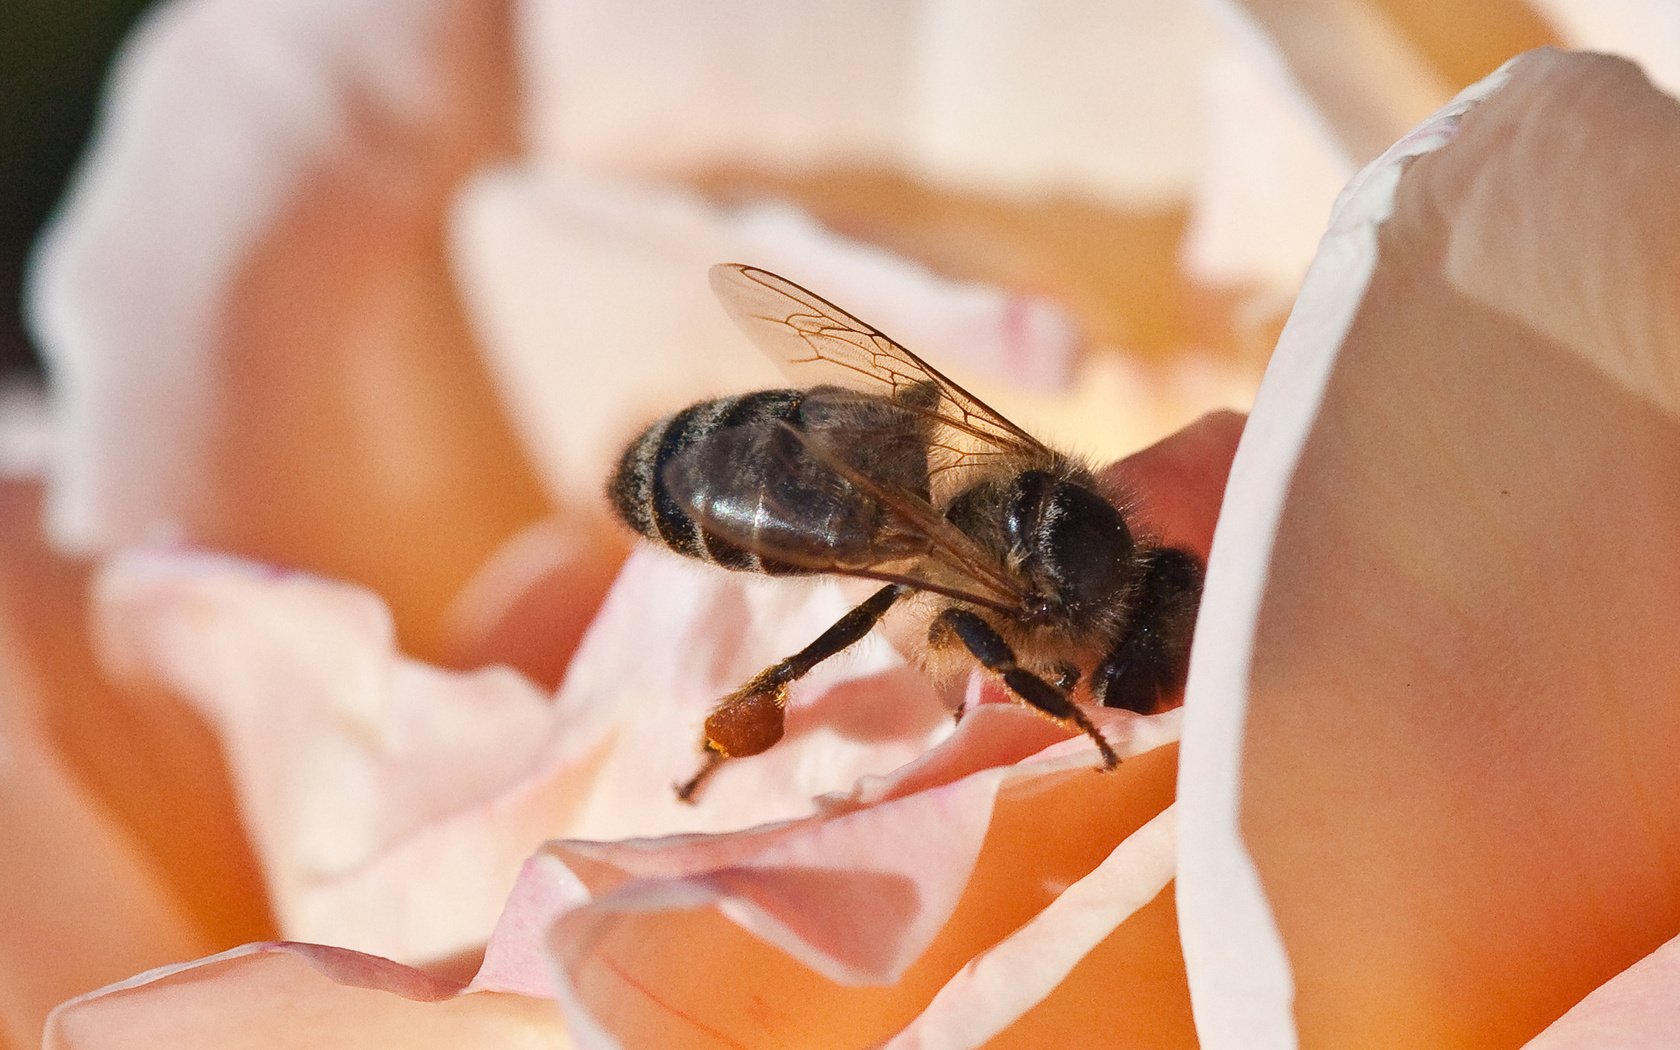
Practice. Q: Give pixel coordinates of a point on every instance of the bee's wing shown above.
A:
(791, 497)
(816, 341)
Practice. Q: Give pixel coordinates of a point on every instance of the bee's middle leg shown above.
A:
(989, 647)
(750, 720)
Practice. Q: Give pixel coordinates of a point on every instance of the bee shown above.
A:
(887, 470)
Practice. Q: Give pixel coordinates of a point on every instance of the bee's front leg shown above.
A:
(750, 720)
(988, 646)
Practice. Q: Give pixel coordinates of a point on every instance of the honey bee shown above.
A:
(886, 469)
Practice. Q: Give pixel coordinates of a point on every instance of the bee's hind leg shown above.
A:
(989, 647)
(750, 720)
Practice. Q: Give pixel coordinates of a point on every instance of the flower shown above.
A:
(420, 237)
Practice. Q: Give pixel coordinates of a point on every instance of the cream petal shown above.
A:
(1366, 79)
(1002, 97)
(1304, 94)
(1372, 70)
(755, 83)
(1068, 96)
(302, 995)
(1646, 31)
(1271, 170)
(1441, 586)
(594, 300)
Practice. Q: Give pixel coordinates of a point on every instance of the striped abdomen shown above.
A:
(639, 492)
(758, 481)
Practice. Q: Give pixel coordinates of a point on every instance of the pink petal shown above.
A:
(274, 995)
(1442, 587)
(894, 892)
(278, 173)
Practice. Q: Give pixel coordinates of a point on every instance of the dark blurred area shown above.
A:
(53, 58)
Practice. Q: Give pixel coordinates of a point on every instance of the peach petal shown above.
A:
(297, 338)
(333, 739)
(997, 987)
(1239, 976)
(303, 995)
(877, 904)
(594, 299)
(1004, 96)
(150, 764)
(84, 905)
(1479, 733)
(1638, 1009)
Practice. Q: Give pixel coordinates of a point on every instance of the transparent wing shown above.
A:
(816, 341)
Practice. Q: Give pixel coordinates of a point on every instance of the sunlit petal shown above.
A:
(1460, 679)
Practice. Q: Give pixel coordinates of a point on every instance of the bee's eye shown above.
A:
(1078, 545)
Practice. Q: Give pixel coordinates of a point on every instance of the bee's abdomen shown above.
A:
(639, 494)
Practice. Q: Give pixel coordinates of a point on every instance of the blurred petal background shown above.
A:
(366, 295)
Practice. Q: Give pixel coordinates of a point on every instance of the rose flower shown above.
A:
(335, 697)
